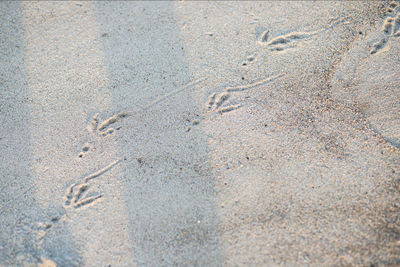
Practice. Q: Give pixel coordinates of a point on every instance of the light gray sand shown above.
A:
(199, 133)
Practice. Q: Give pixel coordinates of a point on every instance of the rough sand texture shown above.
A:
(200, 133)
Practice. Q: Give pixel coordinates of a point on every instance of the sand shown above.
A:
(199, 133)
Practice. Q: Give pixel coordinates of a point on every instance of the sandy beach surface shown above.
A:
(200, 133)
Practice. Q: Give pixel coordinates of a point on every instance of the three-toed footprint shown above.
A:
(220, 102)
(100, 129)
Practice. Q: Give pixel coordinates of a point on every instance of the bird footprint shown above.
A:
(75, 192)
(100, 129)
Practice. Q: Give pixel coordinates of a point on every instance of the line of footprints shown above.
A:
(390, 27)
(75, 193)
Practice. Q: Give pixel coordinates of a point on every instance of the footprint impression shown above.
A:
(283, 42)
(390, 28)
(75, 193)
(99, 130)
(292, 39)
(220, 103)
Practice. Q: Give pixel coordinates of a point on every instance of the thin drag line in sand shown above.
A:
(14, 199)
(101, 171)
(158, 101)
(254, 84)
(240, 87)
(6, 184)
